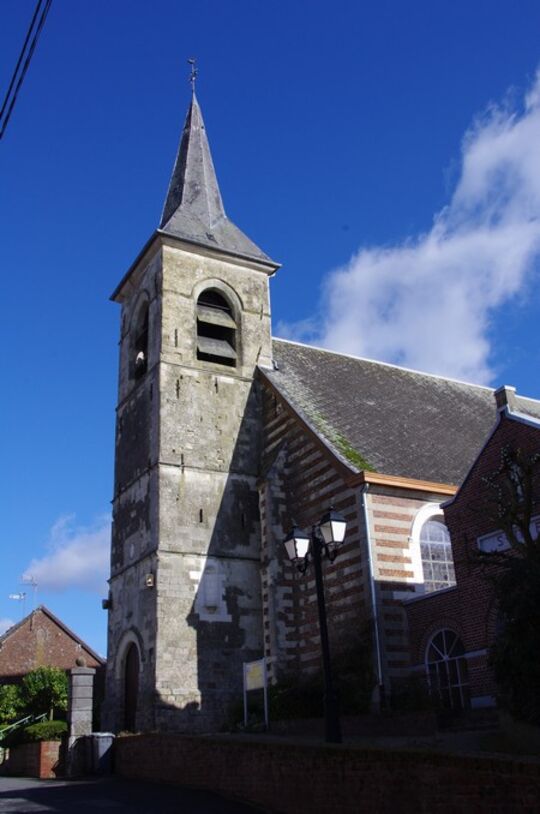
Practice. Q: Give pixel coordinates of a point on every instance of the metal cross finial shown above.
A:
(194, 73)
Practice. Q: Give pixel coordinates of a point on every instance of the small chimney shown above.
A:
(505, 396)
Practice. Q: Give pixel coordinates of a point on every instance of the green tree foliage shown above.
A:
(42, 731)
(45, 731)
(509, 498)
(515, 656)
(10, 703)
(45, 690)
(511, 501)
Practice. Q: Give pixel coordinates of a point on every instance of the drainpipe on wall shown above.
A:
(374, 606)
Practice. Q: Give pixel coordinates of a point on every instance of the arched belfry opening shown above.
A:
(131, 687)
(216, 329)
(140, 341)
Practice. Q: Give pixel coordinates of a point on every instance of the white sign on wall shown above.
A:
(497, 540)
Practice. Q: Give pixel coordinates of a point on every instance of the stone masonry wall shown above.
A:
(132, 614)
(208, 585)
(186, 511)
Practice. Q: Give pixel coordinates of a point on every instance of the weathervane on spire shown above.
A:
(194, 73)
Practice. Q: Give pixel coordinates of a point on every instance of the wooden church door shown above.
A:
(131, 688)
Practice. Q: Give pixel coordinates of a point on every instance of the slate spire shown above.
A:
(193, 185)
(193, 207)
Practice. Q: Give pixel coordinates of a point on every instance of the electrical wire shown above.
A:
(21, 55)
(29, 54)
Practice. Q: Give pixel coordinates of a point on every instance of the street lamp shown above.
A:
(325, 538)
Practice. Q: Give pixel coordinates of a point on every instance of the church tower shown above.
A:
(185, 596)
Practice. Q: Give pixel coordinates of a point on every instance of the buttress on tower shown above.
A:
(185, 594)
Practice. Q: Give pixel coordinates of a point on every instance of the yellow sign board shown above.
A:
(254, 672)
(255, 678)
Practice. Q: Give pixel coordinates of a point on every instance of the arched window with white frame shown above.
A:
(431, 550)
(446, 668)
(436, 553)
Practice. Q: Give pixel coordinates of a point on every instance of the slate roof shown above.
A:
(386, 418)
(528, 406)
(193, 207)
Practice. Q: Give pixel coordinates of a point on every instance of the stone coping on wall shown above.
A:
(294, 776)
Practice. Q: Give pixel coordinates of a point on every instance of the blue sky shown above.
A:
(387, 154)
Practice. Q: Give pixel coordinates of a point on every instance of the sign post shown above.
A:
(255, 678)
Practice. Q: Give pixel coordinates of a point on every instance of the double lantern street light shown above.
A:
(326, 538)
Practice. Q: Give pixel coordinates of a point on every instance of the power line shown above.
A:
(44, 6)
(21, 55)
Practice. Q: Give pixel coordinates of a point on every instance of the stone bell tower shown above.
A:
(185, 599)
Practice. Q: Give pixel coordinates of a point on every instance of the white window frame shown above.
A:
(428, 512)
(462, 684)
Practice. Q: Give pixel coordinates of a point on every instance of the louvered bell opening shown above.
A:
(216, 330)
(218, 348)
(215, 316)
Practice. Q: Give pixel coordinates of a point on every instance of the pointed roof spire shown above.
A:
(193, 186)
(193, 207)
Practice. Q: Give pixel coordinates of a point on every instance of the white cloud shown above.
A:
(429, 302)
(77, 557)
(5, 624)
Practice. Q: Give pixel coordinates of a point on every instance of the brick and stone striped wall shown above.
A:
(300, 480)
(299, 483)
(396, 569)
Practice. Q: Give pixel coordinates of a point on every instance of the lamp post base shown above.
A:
(332, 725)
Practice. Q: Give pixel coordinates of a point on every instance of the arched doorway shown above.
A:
(131, 687)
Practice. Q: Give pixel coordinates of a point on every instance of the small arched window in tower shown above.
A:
(216, 329)
(140, 343)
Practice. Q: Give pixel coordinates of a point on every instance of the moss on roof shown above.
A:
(339, 441)
(351, 454)
(385, 418)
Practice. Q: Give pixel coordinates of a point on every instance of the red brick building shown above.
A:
(451, 630)
(39, 640)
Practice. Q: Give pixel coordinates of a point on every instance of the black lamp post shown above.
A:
(325, 539)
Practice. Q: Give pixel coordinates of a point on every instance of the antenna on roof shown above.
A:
(20, 597)
(29, 579)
